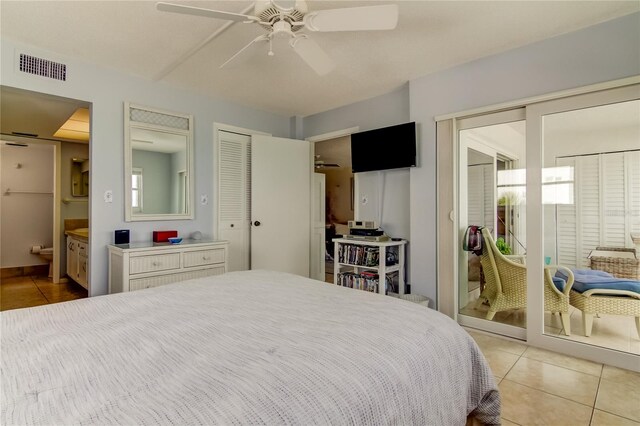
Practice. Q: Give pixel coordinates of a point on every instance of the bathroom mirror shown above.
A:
(79, 177)
(158, 164)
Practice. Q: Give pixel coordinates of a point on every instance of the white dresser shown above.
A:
(137, 266)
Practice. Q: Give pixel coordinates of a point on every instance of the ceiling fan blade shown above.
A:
(208, 13)
(263, 37)
(312, 54)
(383, 17)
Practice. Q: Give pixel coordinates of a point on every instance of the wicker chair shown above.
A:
(506, 283)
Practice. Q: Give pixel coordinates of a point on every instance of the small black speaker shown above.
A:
(122, 236)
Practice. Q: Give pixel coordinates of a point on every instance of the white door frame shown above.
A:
(325, 137)
(333, 135)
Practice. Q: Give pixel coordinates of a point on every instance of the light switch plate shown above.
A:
(204, 200)
(108, 196)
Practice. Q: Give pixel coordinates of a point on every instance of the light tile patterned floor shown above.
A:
(539, 387)
(25, 292)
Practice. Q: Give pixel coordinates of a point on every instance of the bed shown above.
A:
(242, 348)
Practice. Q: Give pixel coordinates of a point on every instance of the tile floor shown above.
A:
(25, 292)
(539, 387)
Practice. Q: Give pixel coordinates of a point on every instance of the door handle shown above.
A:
(256, 223)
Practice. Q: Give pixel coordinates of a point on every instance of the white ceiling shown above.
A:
(133, 37)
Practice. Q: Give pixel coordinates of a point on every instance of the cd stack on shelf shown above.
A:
(359, 255)
(364, 281)
(368, 281)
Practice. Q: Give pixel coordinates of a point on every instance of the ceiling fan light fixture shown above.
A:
(288, 6)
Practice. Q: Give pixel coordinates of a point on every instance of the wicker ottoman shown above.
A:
(617, 266)
(612, 302)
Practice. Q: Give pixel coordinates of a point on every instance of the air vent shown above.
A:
(43, 67)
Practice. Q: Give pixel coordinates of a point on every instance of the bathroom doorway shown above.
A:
(45, 190)
(333, 159)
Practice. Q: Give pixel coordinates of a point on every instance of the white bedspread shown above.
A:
(241, 348)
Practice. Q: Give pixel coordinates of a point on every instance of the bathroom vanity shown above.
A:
(78, 255)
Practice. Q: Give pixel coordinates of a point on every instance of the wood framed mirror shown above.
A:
(158, 154)
(79, 177)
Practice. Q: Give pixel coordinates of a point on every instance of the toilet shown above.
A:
(47, 254)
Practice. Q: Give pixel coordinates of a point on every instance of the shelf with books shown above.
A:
(392, 268)
(357, 265)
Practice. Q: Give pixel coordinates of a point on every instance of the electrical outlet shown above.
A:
(108, 196)
(365, 200)
(204, 200)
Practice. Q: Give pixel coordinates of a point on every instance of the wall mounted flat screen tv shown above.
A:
(382, 149)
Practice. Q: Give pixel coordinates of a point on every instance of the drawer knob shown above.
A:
(156, 263)
(206, 258)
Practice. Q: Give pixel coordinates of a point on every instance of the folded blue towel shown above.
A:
(587, 279)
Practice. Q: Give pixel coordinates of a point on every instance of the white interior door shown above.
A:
(318, 227)
(280, 204)
(234, 197)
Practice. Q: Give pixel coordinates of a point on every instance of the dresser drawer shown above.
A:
(142, 283)
(144, 265)
(203, 257)
(158, 262)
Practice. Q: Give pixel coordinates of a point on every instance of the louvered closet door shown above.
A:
(481, 196)
(489, 194)
(613, 200)
(589, 207)
(606, 209)
(475, 197)
(567, 234)
(234, 197)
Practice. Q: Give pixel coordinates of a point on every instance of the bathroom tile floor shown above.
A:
(539, 387)
(27, 291)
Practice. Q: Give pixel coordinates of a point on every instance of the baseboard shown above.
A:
(24, 271)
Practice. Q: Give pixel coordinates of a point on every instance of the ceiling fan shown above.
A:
(321, 164)
(285, 18)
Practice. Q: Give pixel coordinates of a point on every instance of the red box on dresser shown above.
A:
(163, 236)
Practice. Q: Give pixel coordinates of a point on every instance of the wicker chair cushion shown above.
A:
(559, 282)
(587, 279)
